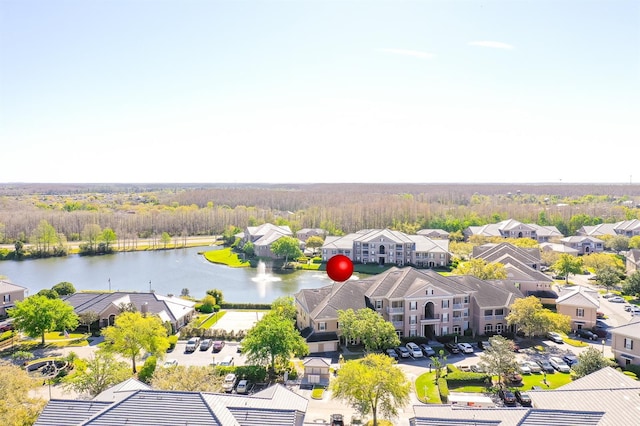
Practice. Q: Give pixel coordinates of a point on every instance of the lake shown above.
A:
(163, 271)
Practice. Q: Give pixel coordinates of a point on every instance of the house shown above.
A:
(263, 236)
(10, 294)
(604, 398)
(632, 261)
(580, 304)
(627, 228)
(305, 233)
(385, 246)
(417, 302)
(558, 248)
(274, 406)
(522, 266)
(625, 342)
(174, 310)
(317, 371)
(584, 244)
(437, 234)
(511, 228)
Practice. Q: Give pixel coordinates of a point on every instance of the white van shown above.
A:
(415, 350)
(227, 361)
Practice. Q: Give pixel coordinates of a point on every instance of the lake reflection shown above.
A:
(164, 271)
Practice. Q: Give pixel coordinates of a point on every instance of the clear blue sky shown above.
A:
(319, 91)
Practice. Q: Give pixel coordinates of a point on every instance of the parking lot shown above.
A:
(208, 357)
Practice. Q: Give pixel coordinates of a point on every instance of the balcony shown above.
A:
(398, 324)
(458, 306)
(395, 310)
(457, 319)
(433, 319)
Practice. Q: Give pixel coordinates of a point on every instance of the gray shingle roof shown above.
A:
(66, 412)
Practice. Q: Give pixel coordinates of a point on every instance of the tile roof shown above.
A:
(578, 296)
(631, 329)
(8, 287)
(59, 412)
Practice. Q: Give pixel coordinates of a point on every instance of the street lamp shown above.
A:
(603, 342)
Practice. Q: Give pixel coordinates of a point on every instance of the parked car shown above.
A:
(524, 368)
(218, 345)
(608, 295)
(227, 361)
(6, 327)
(392, 353)
(403, 352)
(533, 366)
(635, 310)
(513, 378)
(545, 366)
(170, 363)
(229, 382)
(239, 348)
(555, 337)
(427, 350)
(523, 398)
(485, 344)
(616, 299)
(570, 359)
(586, 334)
(557, 363)
(465, 348)
(205, 345)
(507, 397)
(415, 350)
(244, 386)
(336, 420)
(452, 348)
(192, 344)
(477, 368)
(599, 315)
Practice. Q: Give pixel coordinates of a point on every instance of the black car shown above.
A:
(523, 398)
(427, 350)
(336, 420)
(205, 344)
(507, 397)
(452, 348)
(587, 334)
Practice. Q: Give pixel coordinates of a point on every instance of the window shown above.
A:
(445, 330)
(488, 328)
(413, 306)
(322, 326)
(499, 311)
(445, 304)
(7, 298)
(466, 299)
(445, 317)
(378, 304)
(412, 333)
(488, 312)
(579, 312)
(412, 319)
(628, 343)
(498, 328)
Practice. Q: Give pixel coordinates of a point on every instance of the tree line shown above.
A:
(167, 215)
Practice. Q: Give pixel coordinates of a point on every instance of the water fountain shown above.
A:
(263, 276)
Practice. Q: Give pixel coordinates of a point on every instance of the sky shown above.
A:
(275, 91)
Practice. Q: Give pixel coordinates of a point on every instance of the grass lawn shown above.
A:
(427, 390)
(227, 257)
(554, 381)
(210, 320)
(317, 392)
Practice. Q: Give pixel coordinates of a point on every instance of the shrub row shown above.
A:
(249, 306)
(212, 333)
(443, 389)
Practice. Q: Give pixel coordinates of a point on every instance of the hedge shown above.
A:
(443, 389)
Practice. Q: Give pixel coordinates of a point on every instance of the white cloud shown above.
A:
(406, 52)
(491, 44)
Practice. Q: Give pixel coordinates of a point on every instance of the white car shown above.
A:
(524, 368)
(616, 299)
(229, 382)
(465, 348)
(559, 364)
(414, 349)
(555, 337)
(533, 366)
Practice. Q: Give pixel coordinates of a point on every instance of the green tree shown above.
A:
(314, 242)
(499, 358)
(608, 277)
(479, 268)
(189, 379)
(133, 332)
(37, 315)
(44, 238)
(567, 264)
(371, 328)
(217, 294)
(208, 302)
(631, 285)
(599, 261)
(87, 318)
(48, 293)
(634, 242)
(165, 238)
(106, 238)
(618, 243)
(96, 374)
(17, 406)
(591, 360)
(285, 307)
(249, 249)
(438, 362)
(272, 340)
(461, 249)
(64, 288)
(287, 247)
(373, 385)
(532, 318)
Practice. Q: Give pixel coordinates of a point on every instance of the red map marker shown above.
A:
(339, 268)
